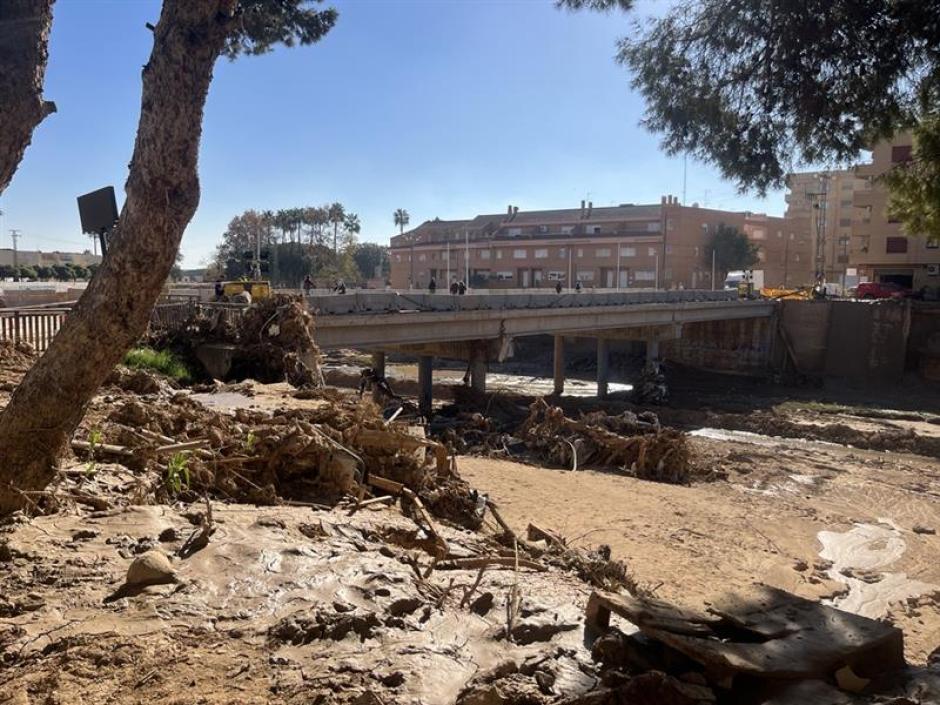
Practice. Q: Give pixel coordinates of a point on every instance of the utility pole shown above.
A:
(466, 258)
(15, 234)
(821, 202)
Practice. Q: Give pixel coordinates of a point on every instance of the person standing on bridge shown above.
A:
(461, 288)
(432, 285)
(557, 287)
(308, 285)
(219, 289)
(577, 286)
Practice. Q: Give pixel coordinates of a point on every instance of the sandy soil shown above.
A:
(691, 544)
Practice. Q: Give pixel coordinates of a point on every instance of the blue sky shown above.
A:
(445, 108)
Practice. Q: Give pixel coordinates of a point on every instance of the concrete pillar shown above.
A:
(652, 350)
(378, 366)
(378, 363)
(603, 367)
(425, 379)
(559, 364)
(478, 372)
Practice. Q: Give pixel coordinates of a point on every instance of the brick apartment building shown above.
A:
(880, 250)
(625, 246)
(822, 203)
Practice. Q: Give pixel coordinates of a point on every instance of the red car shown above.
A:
(881, 290)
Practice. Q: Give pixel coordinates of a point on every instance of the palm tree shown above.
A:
(401, 219)
(337, 216)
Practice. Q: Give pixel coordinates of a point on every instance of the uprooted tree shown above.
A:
(162, 196)
(24, 40)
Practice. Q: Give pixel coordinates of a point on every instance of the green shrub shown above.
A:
(162, 361)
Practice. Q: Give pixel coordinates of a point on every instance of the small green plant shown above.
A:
(177, 473)
(250, 441)
(95, 438)
(162, 361)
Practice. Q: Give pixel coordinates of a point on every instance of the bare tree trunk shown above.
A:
(24, 40)
(162, 195)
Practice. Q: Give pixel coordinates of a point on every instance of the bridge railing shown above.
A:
(388, 302)
(34, 326)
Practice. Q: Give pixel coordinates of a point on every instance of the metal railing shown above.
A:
(34, 326)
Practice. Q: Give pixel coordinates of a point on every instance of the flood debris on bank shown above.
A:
(271, 341)
(627, 443)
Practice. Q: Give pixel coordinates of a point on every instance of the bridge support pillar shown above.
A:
(378, 366)
(478, 371)
(603, 367)
(652, 350)
(425, 380)
(559, 364)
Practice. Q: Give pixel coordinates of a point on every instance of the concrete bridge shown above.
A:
(480, 328)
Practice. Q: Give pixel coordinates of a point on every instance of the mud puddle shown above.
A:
(859, 558)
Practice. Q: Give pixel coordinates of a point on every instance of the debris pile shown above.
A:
(652, 454)
(272, 339)
(650, 386)
(15, 359)
(182, 448)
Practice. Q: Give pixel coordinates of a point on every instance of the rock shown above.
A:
(924, 530)
(151, 568)
(800, 566)
(545, 681)
(531, 631)
(84, 534)
(393, 680)
(405, 605)
(169, 535)
(483, 604)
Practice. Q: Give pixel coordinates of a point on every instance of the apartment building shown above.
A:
(822, 203)
(880, 249)
(627, 246)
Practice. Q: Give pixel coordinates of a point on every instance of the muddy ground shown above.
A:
(316, 604)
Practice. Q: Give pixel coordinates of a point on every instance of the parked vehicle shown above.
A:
(881, 290)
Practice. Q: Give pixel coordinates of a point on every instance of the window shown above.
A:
(845, 222)
(514, 232)
(628, 252)
(541, 254)
(503, 276)
(562, 252)
(758, 234)
(644, 275)
(484, 254)
(543, 229)
(602, 252)
(586, 275)
(556, 276)
(499, 254)
(398, 258)
(519, 254)
(895, 245)
(594, 229)
(932, 244)
(652, 252)
(653, 227)
(422, 257)
(580, 252)
(901, 154)
(567, 229)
